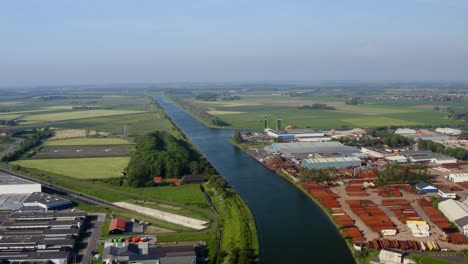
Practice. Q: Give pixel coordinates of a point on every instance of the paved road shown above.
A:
(93, 241)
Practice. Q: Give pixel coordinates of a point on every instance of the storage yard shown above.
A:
(404, 215)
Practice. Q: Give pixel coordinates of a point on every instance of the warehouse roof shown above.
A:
(462, 221)
(47, 200)
(198, 178)
(118, 224)
(314, 147)
(8, 179)
(424, 185)
(453, 210)
(332, 160)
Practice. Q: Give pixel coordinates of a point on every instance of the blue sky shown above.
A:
(112, 41)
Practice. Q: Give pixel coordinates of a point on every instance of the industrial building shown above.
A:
(33, 202)
(457, 213)
(39, 237)
(299, 135)
(405, 131)
(425, 187)
(304, 150)
(10, 184)
(432, 137)
(427, 156)
(321, 163)
(449, 131)
(447, 194)
(458, 177)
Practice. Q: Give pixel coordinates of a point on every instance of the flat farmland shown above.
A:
(90, 141)
(9, 116)
(249, 113)
(79, 168)
(71, 115)
(82, 152)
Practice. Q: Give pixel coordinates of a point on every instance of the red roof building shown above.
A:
(173, 180)
(157, 179)
(117, 226)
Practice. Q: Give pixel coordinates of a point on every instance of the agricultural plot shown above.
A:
(9, 116)
(81, 152)
(62, 116)
(249, 113)
(79, 168)
(84, 141)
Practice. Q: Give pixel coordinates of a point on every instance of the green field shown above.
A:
(249, 112)
(9, 116)
(61, 116)
(86, 142)
(80, 168)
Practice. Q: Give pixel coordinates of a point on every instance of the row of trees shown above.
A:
(317, 175)
(161, 154)
(31, 140)
(458, 153)
(201, 113)
(390, 139)
(354, 101)
(403, 173)
(318, 107)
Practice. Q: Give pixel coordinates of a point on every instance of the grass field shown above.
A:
(9, 116)
(239, 230)
(86, 142)
(61, 116)
(80, 168)
(249, 112)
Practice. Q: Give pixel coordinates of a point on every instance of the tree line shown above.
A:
(403, 173)
(31, 140)
(458, 153)
(161, 154)
(318, 107)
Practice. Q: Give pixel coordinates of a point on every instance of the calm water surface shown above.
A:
(291, 227)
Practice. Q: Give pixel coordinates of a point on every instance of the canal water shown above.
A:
(291, 227)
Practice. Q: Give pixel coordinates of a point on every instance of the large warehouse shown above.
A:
(303, 150)
(458, 177)
(10, 184)
(456, 212)
(331, 163)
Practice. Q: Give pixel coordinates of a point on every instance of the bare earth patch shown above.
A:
(73, 133)
(11, 103)
(430, 106)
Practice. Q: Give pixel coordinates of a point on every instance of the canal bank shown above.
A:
(291, 227)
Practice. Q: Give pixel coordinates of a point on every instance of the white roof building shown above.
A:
(458, 177)
(449, 131)
(406, 131)
(10, 184)
(456, 212)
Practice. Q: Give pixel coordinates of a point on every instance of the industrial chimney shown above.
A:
(278, 124)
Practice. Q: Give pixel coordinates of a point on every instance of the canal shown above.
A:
(291, 227)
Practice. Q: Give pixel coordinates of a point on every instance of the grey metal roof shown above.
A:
(46, 199)
(462, 221)
(315, 147)
(8, 179)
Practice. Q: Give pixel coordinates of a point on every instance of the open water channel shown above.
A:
(291, 227)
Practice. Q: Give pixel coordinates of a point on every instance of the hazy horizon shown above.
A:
(120, 42)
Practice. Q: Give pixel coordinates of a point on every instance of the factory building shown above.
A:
(405, 131)
(458, 177)
(449, 131)
(304, 150)
(10, 184)
(39, 237)
(427, 156)
(425, 187)
(457, 213)
(321, 163)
